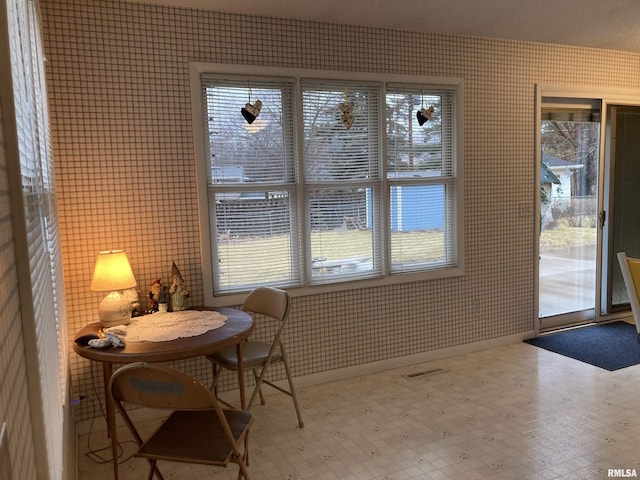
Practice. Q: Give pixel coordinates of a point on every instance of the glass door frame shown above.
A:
(606, 97)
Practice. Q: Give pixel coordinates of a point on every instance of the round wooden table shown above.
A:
(235, 330)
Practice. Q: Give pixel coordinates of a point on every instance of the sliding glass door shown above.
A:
(569, 186)
(589, 210)
(623, 232)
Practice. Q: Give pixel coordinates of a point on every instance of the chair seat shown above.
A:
(254, 354)
(195, 436)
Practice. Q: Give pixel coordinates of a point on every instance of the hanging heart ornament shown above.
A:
(251, 112)
(425, 114)
(347, 114)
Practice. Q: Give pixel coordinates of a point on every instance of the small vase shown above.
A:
(162, 307)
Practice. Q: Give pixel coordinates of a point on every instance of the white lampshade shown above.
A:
(113, 272)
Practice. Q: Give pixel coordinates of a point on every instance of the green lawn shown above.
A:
(243, 258)
(563, 236)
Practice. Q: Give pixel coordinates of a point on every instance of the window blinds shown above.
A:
(421, 163)
(43, 313)
(242, 152)
(342, 175)
(251, 182)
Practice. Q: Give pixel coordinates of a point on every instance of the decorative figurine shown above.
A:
(179, 294)
(154, 292)
(425, 114)
(347, 116)
(132, 296)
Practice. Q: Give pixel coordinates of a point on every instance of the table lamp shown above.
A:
(113, 272)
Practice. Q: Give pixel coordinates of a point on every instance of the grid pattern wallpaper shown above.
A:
(122, 134)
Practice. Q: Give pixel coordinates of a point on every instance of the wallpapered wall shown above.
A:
(122, 133)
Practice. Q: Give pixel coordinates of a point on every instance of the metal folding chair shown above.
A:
(198, 430)
(258, 356)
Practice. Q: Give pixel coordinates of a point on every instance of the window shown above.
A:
(302, 198)
(252, 190)
(421, 173)
(341, 175)
(36, 243)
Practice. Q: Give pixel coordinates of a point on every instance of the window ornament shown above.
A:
(425, 114)
(251, 111)
(346, 108)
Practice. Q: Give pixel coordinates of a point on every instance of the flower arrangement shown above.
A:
(163, 296)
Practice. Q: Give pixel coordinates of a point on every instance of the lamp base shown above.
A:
(114, 310)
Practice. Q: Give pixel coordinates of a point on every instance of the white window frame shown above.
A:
(196, 71)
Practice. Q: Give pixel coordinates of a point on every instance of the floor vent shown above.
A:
(425, 373)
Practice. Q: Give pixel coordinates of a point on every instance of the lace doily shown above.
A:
(161, 327)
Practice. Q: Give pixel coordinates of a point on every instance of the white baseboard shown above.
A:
(143, 414)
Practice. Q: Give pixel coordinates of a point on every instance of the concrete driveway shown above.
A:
(567, 280)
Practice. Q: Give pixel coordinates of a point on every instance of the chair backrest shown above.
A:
(160, 386)
(268, 301)
(630, 268)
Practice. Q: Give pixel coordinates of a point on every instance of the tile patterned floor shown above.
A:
(513, 412)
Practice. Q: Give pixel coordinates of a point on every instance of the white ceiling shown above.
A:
(610, 24)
